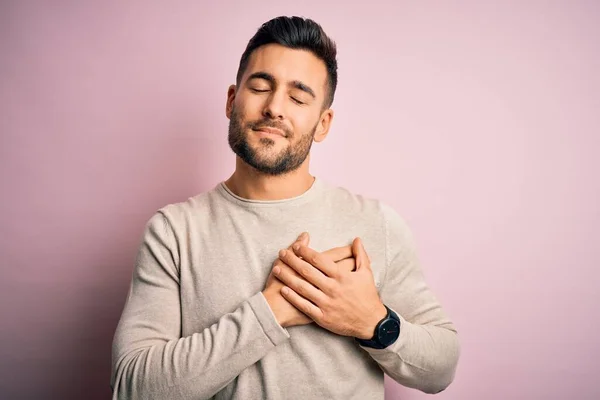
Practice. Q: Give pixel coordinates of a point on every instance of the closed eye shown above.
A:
(259, 90)
(297, 101)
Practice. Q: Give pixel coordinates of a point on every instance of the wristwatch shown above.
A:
(386, 332)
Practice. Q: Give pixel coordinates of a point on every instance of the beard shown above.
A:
(262, 159)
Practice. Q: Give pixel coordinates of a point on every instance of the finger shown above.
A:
(347, 264)
(303, 305)
(305, 269)
(362, 260)
(303, 239)
(339, 253)
(299, 285)
(318, 260)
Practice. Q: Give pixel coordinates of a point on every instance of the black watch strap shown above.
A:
(386, 332)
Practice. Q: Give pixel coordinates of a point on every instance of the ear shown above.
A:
(323, 125)
(230, 98)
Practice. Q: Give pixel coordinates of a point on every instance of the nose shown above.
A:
(274, 106)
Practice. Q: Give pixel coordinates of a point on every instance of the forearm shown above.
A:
(424, 357)
(426, 353)
(147, 366)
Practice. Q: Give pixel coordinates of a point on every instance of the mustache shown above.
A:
(256, 125)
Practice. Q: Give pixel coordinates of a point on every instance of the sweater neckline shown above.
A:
(309, 194)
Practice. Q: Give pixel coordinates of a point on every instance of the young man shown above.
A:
(227, 301)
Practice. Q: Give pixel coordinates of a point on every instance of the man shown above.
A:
(263, 288)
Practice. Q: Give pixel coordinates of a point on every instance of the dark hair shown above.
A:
(296, 33)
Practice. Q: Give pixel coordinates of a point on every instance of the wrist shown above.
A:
(386, 332)
(378, 314)
(271, 299)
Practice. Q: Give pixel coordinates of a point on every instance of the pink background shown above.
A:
(478, 121)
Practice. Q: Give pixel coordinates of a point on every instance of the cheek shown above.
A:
(250, 106)
(242, 116)
(305, 123)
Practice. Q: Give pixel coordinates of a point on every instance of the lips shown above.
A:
(273, 131)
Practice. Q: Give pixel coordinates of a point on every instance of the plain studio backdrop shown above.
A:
(478, 121)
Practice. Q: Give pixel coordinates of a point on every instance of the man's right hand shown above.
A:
(286, 314)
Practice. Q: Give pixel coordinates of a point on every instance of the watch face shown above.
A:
(388, 332)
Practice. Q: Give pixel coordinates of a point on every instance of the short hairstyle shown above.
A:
(296, 33)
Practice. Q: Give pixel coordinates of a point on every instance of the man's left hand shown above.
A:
(343, 302)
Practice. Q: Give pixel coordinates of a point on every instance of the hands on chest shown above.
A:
(335, 289)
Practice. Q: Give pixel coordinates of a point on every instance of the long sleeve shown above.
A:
(150, 358)
(426, 353)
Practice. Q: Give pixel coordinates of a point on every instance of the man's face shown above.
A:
(277, 109)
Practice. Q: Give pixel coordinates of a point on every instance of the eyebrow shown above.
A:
(271, 79)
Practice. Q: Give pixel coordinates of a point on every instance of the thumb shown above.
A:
(303, 239)
(359, 253)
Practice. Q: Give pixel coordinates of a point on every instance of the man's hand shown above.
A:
(286, 314)
(343, 302)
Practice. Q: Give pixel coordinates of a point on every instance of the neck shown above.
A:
(251, 184)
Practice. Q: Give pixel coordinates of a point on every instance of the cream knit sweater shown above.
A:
(196, 326)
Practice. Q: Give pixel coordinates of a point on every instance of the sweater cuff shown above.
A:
(275, 332)
(398, 345)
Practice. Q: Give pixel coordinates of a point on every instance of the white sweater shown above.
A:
(196, 325)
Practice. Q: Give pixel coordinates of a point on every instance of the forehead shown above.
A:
(288, 65)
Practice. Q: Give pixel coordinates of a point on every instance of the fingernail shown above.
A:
(302, 236)
(282, 253)
(276, 270)
(285, 290)
(296, 247)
